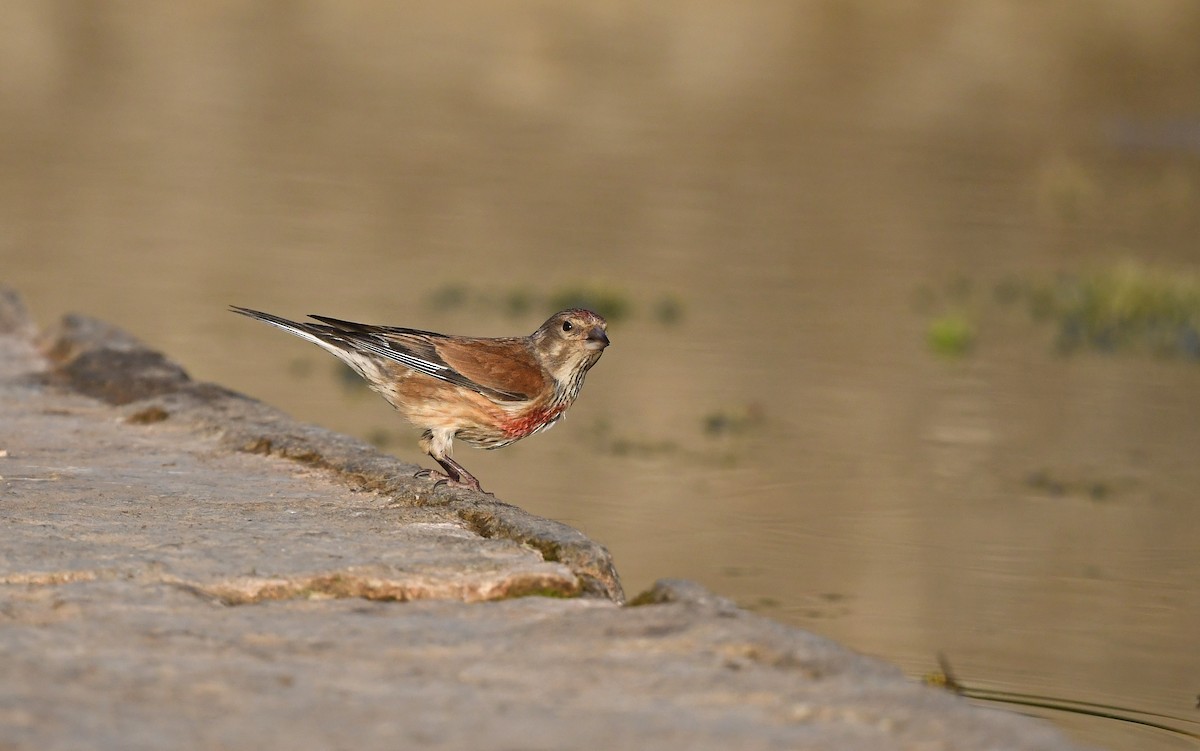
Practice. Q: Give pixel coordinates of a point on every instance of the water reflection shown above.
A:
(810, 187)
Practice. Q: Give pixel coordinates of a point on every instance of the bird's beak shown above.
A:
(596, 338)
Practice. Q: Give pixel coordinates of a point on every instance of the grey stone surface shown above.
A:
(183, 567)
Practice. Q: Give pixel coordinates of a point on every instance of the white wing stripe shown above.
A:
(416, 363)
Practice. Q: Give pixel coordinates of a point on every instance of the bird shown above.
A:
(485, 392)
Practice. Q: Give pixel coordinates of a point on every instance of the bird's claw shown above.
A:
(452, 482)
(438, 477)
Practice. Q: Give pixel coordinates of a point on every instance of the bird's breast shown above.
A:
(532, 421)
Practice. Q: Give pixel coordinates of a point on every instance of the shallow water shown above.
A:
(809, 188)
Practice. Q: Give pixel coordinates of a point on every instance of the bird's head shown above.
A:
(570, 342)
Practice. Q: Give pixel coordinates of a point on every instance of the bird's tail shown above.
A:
(303, 330)
(326, 337)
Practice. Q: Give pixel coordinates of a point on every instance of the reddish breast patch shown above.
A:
(532, 421)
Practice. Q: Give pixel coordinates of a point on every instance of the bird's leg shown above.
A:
(455, 474)
(458, 474)
(437, 445)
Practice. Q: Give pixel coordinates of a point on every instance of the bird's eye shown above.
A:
(567, 326)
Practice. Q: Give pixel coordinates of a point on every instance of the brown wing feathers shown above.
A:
(477, 364)
(502, 365)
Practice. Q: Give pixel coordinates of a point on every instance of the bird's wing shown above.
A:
(502, 365)
(502, 369)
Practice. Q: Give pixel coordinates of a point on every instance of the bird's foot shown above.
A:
(441, 478)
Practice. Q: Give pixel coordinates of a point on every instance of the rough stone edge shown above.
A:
(96, 359)
(666, 591)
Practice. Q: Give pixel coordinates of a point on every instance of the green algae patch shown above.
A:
(1125, 306)
(951, 335)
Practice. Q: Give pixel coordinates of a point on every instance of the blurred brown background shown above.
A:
(904, 296)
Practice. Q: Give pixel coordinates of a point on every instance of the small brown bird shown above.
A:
(485, 392)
